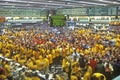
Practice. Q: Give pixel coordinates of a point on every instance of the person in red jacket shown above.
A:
(2, 71)
(93, 64)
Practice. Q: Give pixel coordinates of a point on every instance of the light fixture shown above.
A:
(50, 1)
(112, 2)
(9, 0)
(12, 6)
(8, 18)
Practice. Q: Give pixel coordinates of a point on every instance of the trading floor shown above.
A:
(78, 54)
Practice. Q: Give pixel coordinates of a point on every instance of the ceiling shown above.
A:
(55, 4)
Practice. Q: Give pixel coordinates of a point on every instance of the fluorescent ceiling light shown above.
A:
(84, 2)
(50, 1)
(43, 3)
(111, 2)
(9, 0)
(12, 4)
(53, 4)
(92, 3)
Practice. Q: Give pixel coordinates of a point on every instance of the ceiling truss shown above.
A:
(56, 4)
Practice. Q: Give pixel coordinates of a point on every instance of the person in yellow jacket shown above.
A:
(46, 64)
(73, 77)
(2, 74)
(1, 45)
(53, 53)
(31, 64)
(89, 68)
(35, 78)
(22, 59)
(7, 54)
(28, 78)
(16, 57)
(2, 77)
(98, 76)
(40, 62)
(76, 70)
(117, 42)
(71, 50)
(50, 58)
(94, 49)
(86, 75)
(7, 69)
(65, 65)
(58, 77)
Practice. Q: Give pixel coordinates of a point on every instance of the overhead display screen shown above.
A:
(112, 11)
(74, 11)
(119, 10)
(101, 11)
(93, 11)
(22, 12)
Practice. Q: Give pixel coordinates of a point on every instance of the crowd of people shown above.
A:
(84, 54)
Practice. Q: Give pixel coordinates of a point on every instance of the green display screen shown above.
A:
(58, 17)
(57, 20)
